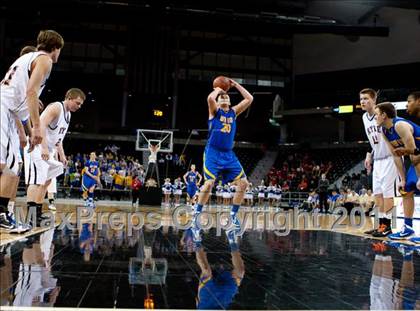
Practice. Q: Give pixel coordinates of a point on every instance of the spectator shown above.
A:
(182, 160)
(109, 178)
(303, 185)
(323, 185)
(128, 181)
(176, 160)
(285, 187)
(352, 198)
(135, 191)
(168, 157)
(367, 201)
(333, 200)
(312, 202)
(118, 184)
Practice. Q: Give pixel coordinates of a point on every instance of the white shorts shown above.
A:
(226, 195)
(9, 145)
(38, 171)
(271, 196)
(384, 177)
(248, 196)
(383, 293)
(261, 195)
(178, 192)
(52, 188)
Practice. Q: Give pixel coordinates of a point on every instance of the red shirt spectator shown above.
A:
(303, 185)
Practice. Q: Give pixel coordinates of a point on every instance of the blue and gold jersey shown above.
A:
(217, 292)
(222, 129)
(395, 139)
(92, 167)
(192, 179)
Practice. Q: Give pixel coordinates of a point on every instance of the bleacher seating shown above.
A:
(334, 162)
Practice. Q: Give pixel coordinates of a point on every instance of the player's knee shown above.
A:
(209, 183)
(243, 184)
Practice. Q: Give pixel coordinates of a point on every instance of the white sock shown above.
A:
(11, 207)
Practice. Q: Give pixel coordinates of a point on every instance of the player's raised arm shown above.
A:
(246, 102)
(211, 101)
(40, 69)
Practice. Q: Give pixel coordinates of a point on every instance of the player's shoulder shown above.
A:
(366, 118)
(53, 108)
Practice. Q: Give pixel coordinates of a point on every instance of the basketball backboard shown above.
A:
(147, 137)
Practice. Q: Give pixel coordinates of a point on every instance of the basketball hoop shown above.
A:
(148, 138)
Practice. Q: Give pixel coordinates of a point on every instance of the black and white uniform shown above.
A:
(219, 191)
(13, 103)
(278, 193)
(35, 282)
(37, 170)
(167, 188)
(385, 172)
(177, 187)
(271, 192)
(249, 195)
(226, 192)
(384, 290)
(261, 191)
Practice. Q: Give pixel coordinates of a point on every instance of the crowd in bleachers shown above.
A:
(298, 172)
(345, 197)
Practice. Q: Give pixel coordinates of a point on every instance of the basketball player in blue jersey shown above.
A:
(219, 158)
(218, 286)
(192, 179)
(413, 109)
(91, 178)
(400, 132)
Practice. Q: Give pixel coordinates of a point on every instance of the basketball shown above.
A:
(222, 82)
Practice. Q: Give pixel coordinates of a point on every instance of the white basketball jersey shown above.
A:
(57, 130)
(376, 139)
(15, 83)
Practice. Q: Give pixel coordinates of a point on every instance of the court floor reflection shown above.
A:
(304, 270)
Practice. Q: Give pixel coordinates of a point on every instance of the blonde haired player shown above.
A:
(219, 158)
(20, 90)
(40, 167)
(384, 171)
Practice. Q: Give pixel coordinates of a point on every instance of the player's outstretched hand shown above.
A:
(233, 83)
(220, 90)
(402, 151)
